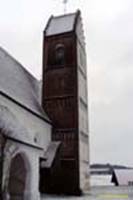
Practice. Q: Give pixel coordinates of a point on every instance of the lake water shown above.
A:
(101, 193)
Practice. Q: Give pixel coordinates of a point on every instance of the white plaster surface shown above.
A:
(83, 110)
(31, 157)
(35, 128)
(18, 123)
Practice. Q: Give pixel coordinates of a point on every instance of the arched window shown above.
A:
(59, 54)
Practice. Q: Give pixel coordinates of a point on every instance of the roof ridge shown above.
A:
(32, 79)
(16, 61)
(64, 15)
(27, 94)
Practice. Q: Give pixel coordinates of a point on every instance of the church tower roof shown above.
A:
(61, 24)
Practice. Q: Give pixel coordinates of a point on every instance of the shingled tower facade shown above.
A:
(64, 98)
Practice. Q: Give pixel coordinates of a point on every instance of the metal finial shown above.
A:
(65, 5)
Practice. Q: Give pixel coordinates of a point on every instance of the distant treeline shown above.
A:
(106, 168)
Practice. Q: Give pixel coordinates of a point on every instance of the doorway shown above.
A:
(17, 178)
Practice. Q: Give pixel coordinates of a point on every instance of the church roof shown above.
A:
(61, 24)
(50, 153)
(19, 84)
(123, 176)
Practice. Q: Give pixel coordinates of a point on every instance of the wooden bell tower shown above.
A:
(64, 98)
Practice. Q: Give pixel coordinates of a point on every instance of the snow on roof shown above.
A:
(124, 176)
(60, 24)
(18, 83)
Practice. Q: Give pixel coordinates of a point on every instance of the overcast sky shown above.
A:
(108, 26)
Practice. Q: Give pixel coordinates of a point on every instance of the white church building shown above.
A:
(25, 126)
(26, 141)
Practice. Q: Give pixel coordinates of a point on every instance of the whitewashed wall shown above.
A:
(31, 160)
(34, 129)
(37, 129)
(83, 109)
